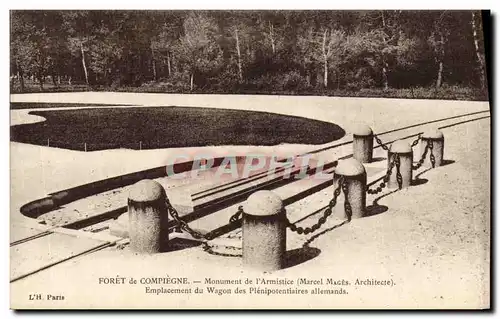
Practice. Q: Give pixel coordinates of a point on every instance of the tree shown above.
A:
(78, 25)
(197, 47)
(239, 37)
(164, 40)
(381, 44)
(323, 46)
(20, 47)
(479, 55)
(438, 41)
(36, 43)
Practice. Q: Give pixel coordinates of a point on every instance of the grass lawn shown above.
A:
(166, 127)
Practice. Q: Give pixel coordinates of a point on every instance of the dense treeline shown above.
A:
(319, 52)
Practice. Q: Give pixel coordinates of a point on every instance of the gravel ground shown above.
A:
(433, 241)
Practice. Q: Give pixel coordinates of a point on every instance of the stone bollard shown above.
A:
(148, 217)
(436, 137)
(406, 161)
(264, 231)
(362, 143)
(355, 177)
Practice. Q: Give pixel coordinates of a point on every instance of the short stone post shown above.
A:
(264, 231)
(362, 143)
(355, 176)
(403, 149)
(435, 137)
(148, 217)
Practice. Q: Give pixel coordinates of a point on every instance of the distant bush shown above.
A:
(177, 83)
(443, 93)
(289, 83)
(293, 81)
(226, 80)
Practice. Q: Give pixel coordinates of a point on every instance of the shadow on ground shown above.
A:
(313, 238)
(378, 159)
(178, 243)
(418, 181)
(376, 208)
(300, 255)
(447, 162)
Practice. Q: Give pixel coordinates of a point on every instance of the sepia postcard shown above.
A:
(260, 159)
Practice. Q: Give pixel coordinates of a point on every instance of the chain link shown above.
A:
(415, 142)
(237, 215)
(428, 147)
(399, 177)
(433, 159)
(422, 160)
(384, 146)
(327, 213)
(210, 250)
(182, 225)
(384, 182)
(347, 205)
(380, 143)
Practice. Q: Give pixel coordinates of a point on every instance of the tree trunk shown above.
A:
(54, 80)
(240, 71)
(271, 37)
(385, 67)
(84, 64)
(478, 54)
(249, 51)
(154, 70)
(325, 79)
(384, 74)
(325, 60)
(20, 76)
(153, 63)
(41, 80)
(439, 79)
(169, 66)
(191, 81)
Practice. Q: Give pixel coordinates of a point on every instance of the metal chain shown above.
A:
(327, 213)
(383, 184)
(209, 250)
(237, 235)
(415, 142)
(433, 159)
(237, 215)
(399, 177)
(422, 160)
(182, 225)
(238, 252)
(380, 143)
(347, 205)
